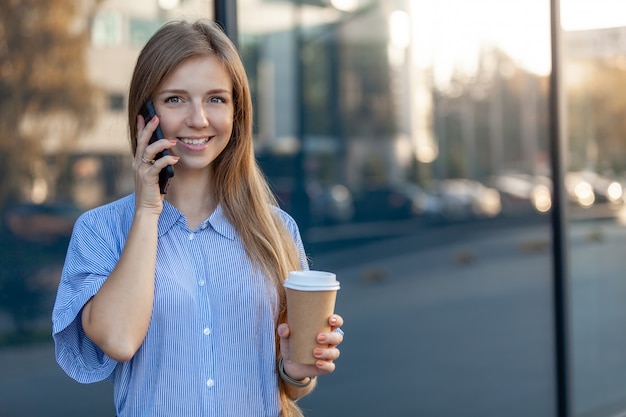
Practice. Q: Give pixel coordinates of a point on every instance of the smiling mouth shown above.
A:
(195, 141)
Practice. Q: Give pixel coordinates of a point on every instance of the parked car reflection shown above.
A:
(522, 192)
(394, 202)
(583, 189)
(385, 202)
(328, 204)
(448, 200)
(461, 199)
(332, 204)
(588, 187)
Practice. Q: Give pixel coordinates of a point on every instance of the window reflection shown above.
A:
(432, 118)
(593, 78)
(405, 105)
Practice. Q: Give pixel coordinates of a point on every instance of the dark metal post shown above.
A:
(559, 246)
(225, 12)
(301, 203)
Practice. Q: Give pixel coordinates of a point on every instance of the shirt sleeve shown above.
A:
(89, 261)
(292, 226)
(304, 260)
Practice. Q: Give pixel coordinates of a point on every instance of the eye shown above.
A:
(173, 99)
(217, 99)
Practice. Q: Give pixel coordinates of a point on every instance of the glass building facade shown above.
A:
(458, 164)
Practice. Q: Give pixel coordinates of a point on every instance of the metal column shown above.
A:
(558, 150)
(225, 12)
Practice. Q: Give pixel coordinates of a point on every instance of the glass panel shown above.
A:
(594, 80)
(53, 170)
(410, 141)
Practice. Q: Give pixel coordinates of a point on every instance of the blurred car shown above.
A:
(393, 202)
(465, 199)
(523, 192)
(43, 223)
(583, 188)
(588, 187)
(332, 204)
(386, 202)
(579, 190)
(423, 203)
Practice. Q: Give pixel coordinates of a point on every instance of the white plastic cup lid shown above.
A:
(312, 281)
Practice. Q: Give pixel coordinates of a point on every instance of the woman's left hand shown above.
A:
(325, 356)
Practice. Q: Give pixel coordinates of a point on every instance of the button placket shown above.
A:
(197, 256)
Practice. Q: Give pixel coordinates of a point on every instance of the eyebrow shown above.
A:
(208, 92)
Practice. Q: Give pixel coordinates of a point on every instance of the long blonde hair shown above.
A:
(241, 188)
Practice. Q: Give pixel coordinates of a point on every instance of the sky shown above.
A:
(448, 33)
(592, 14)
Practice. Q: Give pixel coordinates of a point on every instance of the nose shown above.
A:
(198, 116)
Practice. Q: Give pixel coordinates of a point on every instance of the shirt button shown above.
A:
(210, 382)
(191, 236)
(206, 331)
(201, 283)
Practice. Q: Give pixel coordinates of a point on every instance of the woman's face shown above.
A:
(195, 107)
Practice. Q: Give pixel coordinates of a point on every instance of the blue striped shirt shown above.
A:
(210, 347)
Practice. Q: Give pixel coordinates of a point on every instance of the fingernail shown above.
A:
(333, 320)
(317, 352)
(321, 338)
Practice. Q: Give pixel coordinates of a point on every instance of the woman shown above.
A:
(178, 298)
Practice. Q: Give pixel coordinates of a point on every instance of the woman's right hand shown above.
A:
(146, 169)
(118, 316)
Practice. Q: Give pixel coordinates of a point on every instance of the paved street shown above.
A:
(466, 330)
(460, 330)
(457, 330)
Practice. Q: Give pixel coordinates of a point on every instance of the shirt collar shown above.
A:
(169, 216)
(218, 221)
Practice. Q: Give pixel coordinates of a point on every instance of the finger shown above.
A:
(332, 338)
(283, 334)
(327, 354)
(150, 152)
(161, 163)
(141, 122)
(147, 161)
(283, 330)
(145, 129)
(335, 321)
(324, 367)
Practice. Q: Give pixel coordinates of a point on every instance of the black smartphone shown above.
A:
(166, 174)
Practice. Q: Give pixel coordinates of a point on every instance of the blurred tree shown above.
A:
(469, 108)
(45, 94)
(45, 102)
(596, 122)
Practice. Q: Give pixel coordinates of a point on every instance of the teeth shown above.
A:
(194, 141)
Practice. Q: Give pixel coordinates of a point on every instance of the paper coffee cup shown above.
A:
(311, 299)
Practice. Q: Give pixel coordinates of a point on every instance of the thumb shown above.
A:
(283, 334)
